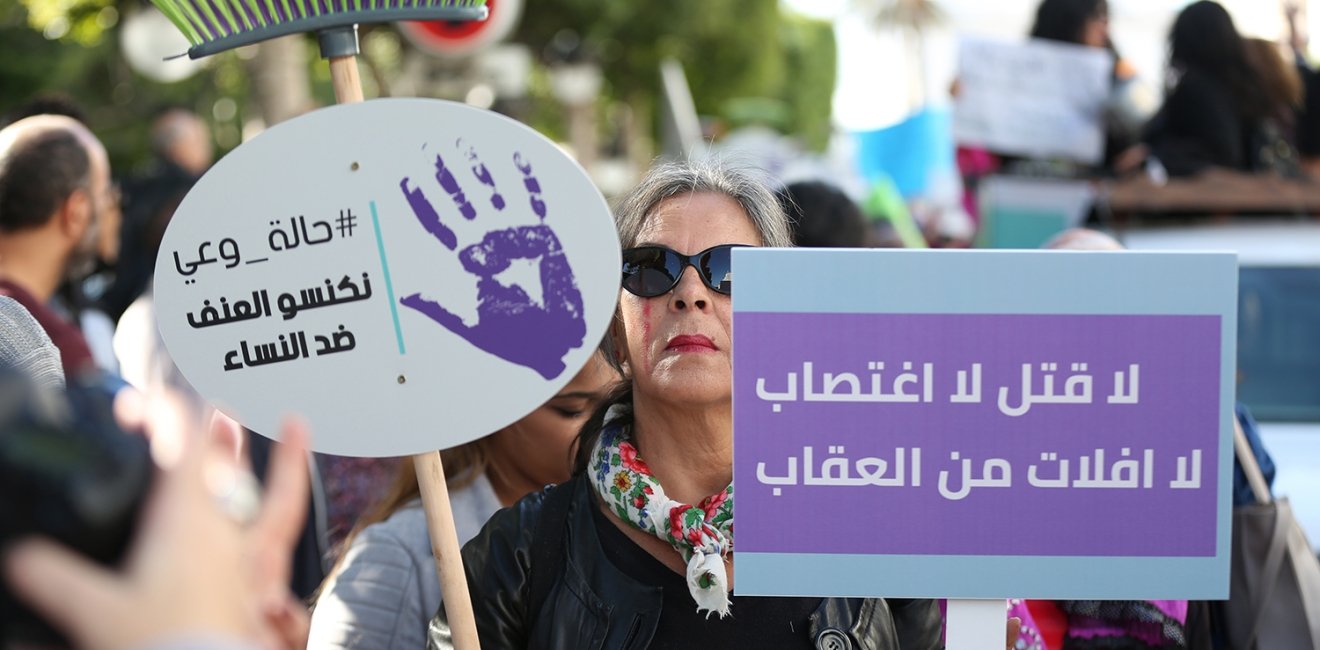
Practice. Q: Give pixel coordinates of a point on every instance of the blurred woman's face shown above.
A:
(537, 446)
(678, 345)
(1095, 32)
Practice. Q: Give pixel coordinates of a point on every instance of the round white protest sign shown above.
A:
(407, 274)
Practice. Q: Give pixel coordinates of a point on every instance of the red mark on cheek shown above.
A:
(646, 333)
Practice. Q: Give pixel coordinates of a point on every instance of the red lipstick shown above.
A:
(691, 343)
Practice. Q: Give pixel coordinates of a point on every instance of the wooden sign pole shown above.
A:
(344, 76)
(430, 471)
(444, 544)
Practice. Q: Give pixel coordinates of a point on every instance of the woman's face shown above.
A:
(537, 446)
(1095, 32)
(678, 345)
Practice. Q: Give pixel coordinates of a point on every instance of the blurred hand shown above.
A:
(195, 569)
(1130, 160)
(1014, 629)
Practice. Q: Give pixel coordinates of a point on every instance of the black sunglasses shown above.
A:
(650, 271)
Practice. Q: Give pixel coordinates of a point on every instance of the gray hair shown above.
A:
(744, 185)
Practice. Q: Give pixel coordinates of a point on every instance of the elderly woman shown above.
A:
(636, 550)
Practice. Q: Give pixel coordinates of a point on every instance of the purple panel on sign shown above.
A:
(910, 434)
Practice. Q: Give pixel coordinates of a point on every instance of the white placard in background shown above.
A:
(408, 274)
(1033, 98)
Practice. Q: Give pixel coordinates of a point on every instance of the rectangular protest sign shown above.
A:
(982, 424)
(1032, 98)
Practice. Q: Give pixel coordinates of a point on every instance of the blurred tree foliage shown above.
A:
(810, 68)
(70, 48)
(729, 50)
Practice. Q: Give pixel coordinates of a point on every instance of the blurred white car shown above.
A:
(1278, 341)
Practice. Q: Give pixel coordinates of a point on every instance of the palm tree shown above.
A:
(911, 18)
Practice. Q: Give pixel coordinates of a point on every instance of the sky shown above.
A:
(870, 95)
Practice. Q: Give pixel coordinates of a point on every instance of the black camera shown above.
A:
(67, 472)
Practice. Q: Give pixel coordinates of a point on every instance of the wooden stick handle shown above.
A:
(344, 76)
(1247, 458)
(444, 544)
(430, 471)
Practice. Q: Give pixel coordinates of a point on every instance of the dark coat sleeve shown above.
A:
(917, 623)
(497, 563)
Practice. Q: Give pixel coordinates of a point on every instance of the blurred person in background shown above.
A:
(182, 152)
(822, 216)
(1214, 111)
(1129, 105)
(1308, 117)
(139, 348)
(1083, 22)
(384, 590)
(1086, 22)
(55, 190)
(1275, 140)
(76, 298)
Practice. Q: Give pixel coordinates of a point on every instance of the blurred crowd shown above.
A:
(1230, 102)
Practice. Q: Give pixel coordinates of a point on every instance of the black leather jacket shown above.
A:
(593, 605)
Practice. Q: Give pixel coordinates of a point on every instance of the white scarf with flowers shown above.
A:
(702, 534)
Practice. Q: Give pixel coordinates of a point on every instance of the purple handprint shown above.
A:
(509, 325)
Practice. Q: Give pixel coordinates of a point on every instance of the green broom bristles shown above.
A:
(213, 26)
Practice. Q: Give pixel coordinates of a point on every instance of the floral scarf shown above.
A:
(702, 534)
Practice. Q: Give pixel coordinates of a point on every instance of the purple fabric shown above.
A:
(1151, 623)
(1175, 609)
(352, 485)
(1104, 623)
(1093, 628)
